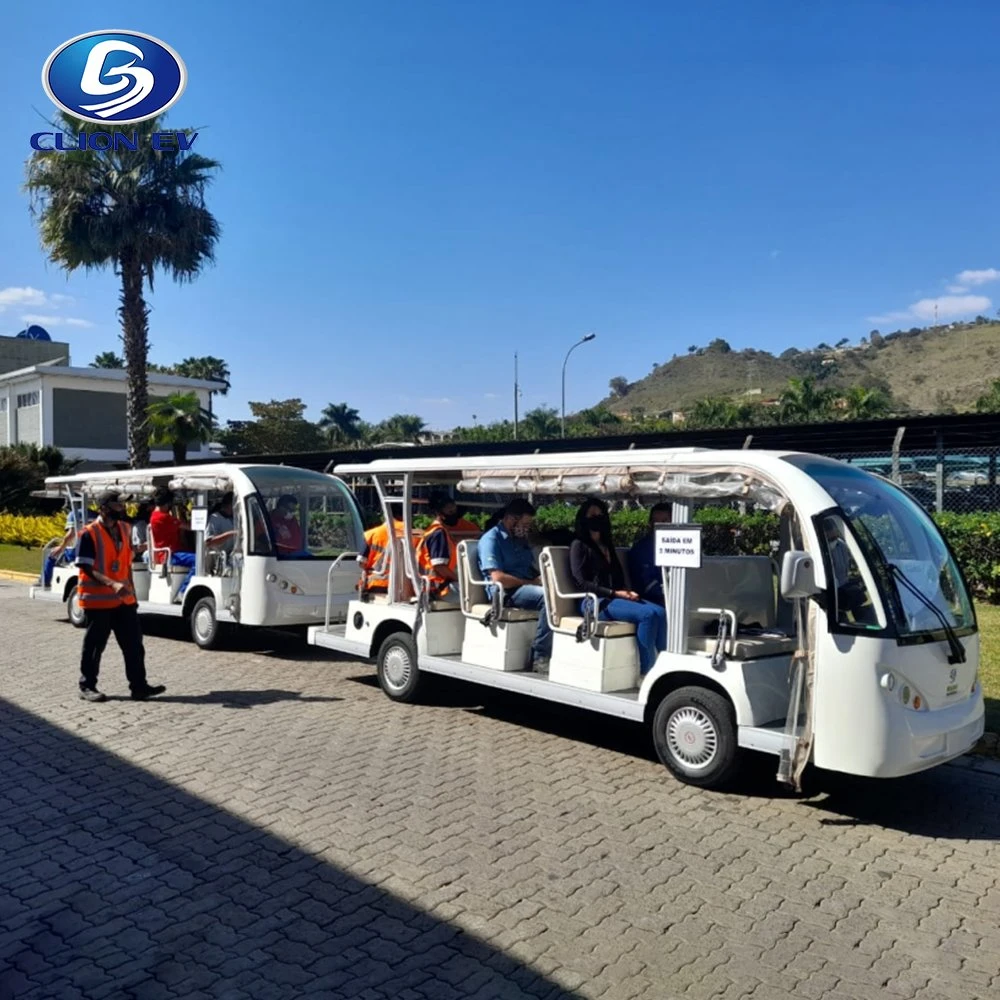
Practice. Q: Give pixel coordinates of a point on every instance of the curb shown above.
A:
(9, 574)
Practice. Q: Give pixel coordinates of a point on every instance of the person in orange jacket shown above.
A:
(437, 550)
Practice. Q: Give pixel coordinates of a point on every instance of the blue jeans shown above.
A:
(50, 564)
(183, 559)
(532, 598)
(650, 622)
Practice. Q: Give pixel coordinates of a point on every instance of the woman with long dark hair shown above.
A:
(597, 569)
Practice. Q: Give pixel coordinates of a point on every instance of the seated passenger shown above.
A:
(646, 576)
(140, 531)
(596, 569)
(65, 551)
(220, 532)
(437, 550)
(167, 531)
(287, 530)
(375, 558)
(505, 558)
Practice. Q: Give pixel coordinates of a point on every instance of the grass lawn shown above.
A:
(19, 559)
(989, 662)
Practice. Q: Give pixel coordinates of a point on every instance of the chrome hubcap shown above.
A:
(203, 623)
(397, 667)
(692, 738)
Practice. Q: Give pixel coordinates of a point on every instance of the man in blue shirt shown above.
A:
(506, 558)
(644, 575)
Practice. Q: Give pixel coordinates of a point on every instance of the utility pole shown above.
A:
(516, 393)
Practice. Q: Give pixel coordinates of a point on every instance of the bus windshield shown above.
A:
(310, 515)
(902, 545)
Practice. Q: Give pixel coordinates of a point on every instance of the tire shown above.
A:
(398, 674)
(77, 616)
(694, 732)
(204, 624)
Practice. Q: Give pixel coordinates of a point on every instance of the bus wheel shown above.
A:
(694, 732)
(77, 615)
(204, 624)
(398, 673)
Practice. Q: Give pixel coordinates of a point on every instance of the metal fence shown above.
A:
(960, 481)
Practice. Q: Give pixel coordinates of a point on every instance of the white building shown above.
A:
(81, 411)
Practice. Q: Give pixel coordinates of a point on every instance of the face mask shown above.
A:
(522, 529)
(450, 519)
(595, 523)
(110, 517)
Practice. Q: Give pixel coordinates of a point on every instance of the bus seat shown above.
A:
(562, 602)
(744, 585)
(472, 591)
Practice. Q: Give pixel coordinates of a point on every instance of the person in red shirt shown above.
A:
(287, 530)
(167, 531)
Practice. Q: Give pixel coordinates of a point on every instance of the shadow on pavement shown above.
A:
(234, 699)
(926, 804)
(119, 884)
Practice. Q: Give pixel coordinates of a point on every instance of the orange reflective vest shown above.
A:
(110, 560)
(437, 583)
(375, 564)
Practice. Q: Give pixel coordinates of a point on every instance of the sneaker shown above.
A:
(92, 694)
(540, 665)
(141, 694)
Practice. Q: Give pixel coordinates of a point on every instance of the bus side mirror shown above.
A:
(798, 576)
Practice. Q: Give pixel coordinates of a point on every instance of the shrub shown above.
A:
(31, 531)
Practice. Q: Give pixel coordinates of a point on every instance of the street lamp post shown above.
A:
(582, 340)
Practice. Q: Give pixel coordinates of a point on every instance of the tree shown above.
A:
(278, 427)
(619, 386)
(843, 342)
(876, 339)
(989, 401)
(108, 359)
(403, 427)
(136, 212)
(802, 402)
(540, 423)
(23, 468)
(177, 422)
(692, 348)
(342, 423)
(823, 346)
(866, 404)
(597, 420)
(208, 369)
(719, 346)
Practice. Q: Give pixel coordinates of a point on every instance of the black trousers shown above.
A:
(124, 622)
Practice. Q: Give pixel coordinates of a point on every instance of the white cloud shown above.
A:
(61, 300)
(20, 297)
(438, 401)
(957, 289)
(490, 395)
(55, 320)
(983, 277)
(941, 309)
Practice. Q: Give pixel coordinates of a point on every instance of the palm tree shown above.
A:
(341, 422)
(209, 369)
(540, 423)
(866, 404)
(713, 412)
(802, 402)
(108, 359)
(403, 427)
(133, 211)
(177, 422)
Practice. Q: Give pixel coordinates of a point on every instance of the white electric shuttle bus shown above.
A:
(250, 581)
(846, 639)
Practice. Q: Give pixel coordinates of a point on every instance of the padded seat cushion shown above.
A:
(507, 615)
(746, 647)
(605, 630)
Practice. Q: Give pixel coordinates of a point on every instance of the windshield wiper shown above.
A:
(957, 649)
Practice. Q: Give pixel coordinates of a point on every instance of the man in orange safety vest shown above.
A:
(437, 550)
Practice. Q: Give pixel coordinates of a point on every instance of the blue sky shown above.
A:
(439, 184)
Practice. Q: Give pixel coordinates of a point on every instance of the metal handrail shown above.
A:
(329, 584)
(546, 557)
(724, 615)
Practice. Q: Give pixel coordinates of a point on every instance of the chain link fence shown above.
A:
(960, 481)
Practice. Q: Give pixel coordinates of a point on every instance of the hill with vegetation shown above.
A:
(942, 369)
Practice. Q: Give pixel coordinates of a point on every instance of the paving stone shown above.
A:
(323, 841)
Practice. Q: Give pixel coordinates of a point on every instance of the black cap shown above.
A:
(108, 497)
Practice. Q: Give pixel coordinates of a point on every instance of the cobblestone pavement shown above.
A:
(275, 827)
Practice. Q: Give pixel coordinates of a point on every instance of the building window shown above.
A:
(27, 399)
(3, 405)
